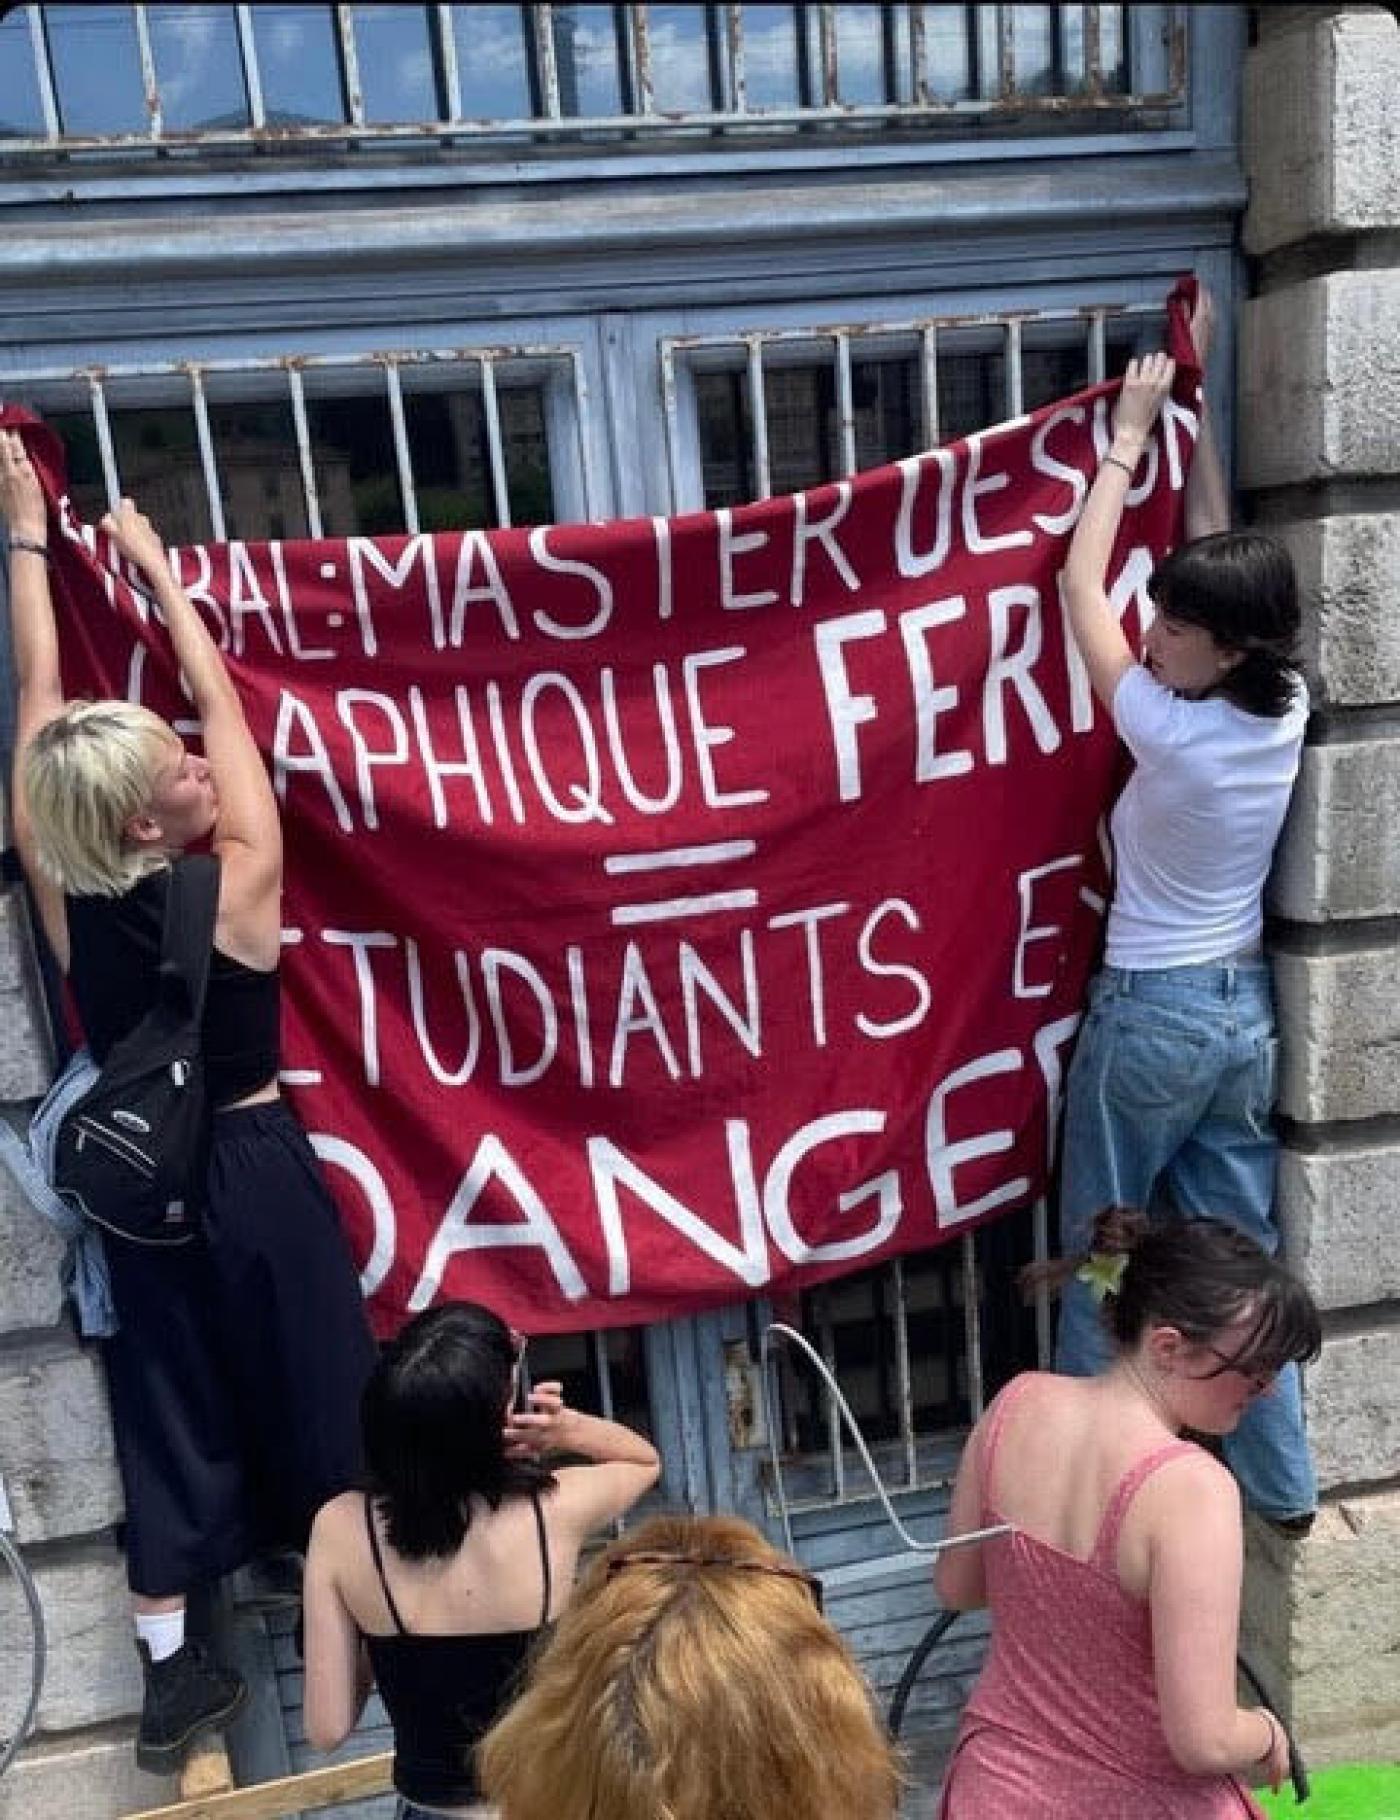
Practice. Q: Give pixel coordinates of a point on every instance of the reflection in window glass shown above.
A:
(949, 50)
(356, 473)
(396, 64)
(452, 458)
(259, 473)
(771, 62)
(198, 69)
(1049, 373)
(589, 60)
(855, 1320)
(684, 73)
(862, 60)
(96, 68)
(971, 393)
(804, 428)
(492, 62)
(299, 62)
(86, 488)
(21, 116)
(158, 461)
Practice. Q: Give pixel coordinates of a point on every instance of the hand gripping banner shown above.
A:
(676, 909)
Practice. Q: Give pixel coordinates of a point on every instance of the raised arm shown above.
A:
(1106, 652)
(34, 639)
(1195, 1570)
(623, 1465)
(1207, 502)
(247, 829)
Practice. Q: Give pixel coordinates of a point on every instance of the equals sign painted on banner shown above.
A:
(673, 859)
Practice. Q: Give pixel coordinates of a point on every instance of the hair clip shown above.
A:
(1103, 1272)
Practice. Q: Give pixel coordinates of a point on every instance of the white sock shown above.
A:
(163, 1632)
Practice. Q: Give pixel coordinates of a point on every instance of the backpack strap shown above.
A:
(187, 938)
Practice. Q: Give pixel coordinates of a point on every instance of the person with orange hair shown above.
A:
(695, 1677)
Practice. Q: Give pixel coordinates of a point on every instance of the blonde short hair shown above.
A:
(86, 773)
(692, 1676)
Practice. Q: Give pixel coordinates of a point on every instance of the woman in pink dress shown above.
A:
(1109, 1688)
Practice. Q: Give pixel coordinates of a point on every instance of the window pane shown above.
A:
(586, 51)
(198, 68)
(452, 458)
(396, 63)
(97, 69)
(572, 1358)
(158, 461)
(299, 62)
(85, 484)
(492, 62)
(949, 50)
(726, 432)
(770, 57)
(1052, 372)
(352, 445)
(885, 395)
(802, 446)
(681, 71)
(1033, 50)
(971, 393)
(20, 114)
(860, 55)
(259, 473)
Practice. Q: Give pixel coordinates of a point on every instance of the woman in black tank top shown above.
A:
(439, 1580)
(235, 1361)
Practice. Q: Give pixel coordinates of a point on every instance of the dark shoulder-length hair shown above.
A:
(1240, 586)
(433, 1414)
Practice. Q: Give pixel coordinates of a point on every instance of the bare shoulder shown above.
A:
(339, 1524)
(1192, 1484)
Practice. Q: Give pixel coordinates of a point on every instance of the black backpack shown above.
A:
(131, 1154)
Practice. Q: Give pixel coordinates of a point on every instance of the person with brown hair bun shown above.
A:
(694, 1677)
(1109, 1688)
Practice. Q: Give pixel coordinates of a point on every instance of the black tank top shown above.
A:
(443, 1694)
(114, 954)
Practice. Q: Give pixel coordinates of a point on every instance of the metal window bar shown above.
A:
(500, 486)
(193, 380)
(350, 65)
(905, 61)
(403, 455)
(207, 460)
(302, 431)
(922, 339)
(43, 74)
(738, 92)
(450, 75)
(150, 87)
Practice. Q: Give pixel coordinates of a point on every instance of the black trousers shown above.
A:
(237, 1372)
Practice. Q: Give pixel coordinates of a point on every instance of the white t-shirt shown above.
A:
(1195, 827)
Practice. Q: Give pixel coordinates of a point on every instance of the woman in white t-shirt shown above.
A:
(1171, 1092)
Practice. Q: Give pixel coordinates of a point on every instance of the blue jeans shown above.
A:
(1168, 1109)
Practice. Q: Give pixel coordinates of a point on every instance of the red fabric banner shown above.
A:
(676, 909)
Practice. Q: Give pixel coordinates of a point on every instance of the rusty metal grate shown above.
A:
(193, 77)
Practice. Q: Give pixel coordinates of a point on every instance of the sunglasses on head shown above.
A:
(782, 1570)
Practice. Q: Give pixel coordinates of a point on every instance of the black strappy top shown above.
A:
(113, 965)
(443, 1693)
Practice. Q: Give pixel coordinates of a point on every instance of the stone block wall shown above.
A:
(1320, 464)
(60, 1479)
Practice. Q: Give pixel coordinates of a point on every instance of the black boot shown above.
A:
(186, 1694)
